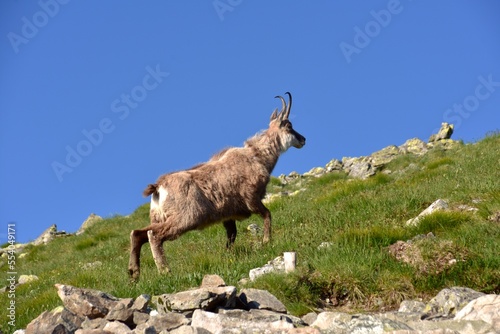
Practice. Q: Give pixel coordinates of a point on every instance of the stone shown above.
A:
(450, 300)
(219, 322)
(141, 303)
(384, 156)
(91, 220)
(414, 146)
(436, 206)
(47, 236)
(254, 229)
(57, 321)
(410, 306)
(167, 321)
(117, 327)
(122, 312)
(310, 318)
(86, 302)
(444, 132)
(276, 265)
(212, 281)
(316, 172)
(189, 330)
(332, 321)
(325, 245)
(358, 167)
(24, 279)
(334, 165)
(485, 308)
(203, 298)
(261, 299)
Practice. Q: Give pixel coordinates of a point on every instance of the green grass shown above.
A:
(359, 218)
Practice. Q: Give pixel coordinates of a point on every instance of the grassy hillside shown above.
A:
(359, 218)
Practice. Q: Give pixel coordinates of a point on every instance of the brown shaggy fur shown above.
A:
(229, 187)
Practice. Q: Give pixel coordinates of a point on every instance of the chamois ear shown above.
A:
(274, 114)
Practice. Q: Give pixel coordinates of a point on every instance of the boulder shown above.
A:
(485, 308)
(334, 165)
(450, 300)
(86, 302)
(59, 320)
(444, 132)
(436, 206)
(91, 220)
(47, 236)
(220, 322)
(414, 146)
(207, 298)
(384, 156)
(360, 168)
(261, 299)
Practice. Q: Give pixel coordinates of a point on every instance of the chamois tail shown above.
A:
(150, 189)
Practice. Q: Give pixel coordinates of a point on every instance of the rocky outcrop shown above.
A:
(217, 308)
(91, 220)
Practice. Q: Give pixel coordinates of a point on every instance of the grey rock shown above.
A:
(360, 168)
(276, 265)
(189, 330)
(203, 298)
(213, 281)
(86, 302)
(485, 308)
(220, 323)
(410, 306)
(117, 327)
(91, 220)
(261, 299)
(122, 312)
(57, 321)
(334, 165)
(141, 303)
(384, 156)
(436, 206)
(167, 321)
(47, 236)
(24, 279)
(310, 318)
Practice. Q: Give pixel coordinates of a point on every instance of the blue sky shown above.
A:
(99, 98)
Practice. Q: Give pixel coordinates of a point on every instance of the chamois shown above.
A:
(228, 187)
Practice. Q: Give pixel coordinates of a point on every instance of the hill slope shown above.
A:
(359, 219)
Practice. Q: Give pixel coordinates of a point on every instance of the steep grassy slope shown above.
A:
(359, 218)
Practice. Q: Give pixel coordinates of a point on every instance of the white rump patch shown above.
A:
(158, 199)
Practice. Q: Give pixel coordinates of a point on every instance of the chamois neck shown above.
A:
(266, 148)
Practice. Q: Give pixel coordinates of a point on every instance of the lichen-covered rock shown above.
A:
(444, 132)
(414, 146)
(450, 300)
(385, 155)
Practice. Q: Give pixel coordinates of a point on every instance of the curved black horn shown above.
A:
(283, 106)
(289, 106)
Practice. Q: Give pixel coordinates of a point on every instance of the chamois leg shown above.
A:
(156, 244)
(231, 231)
(137, 239)
(266, 215)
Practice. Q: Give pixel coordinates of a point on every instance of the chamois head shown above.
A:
(280, 123)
